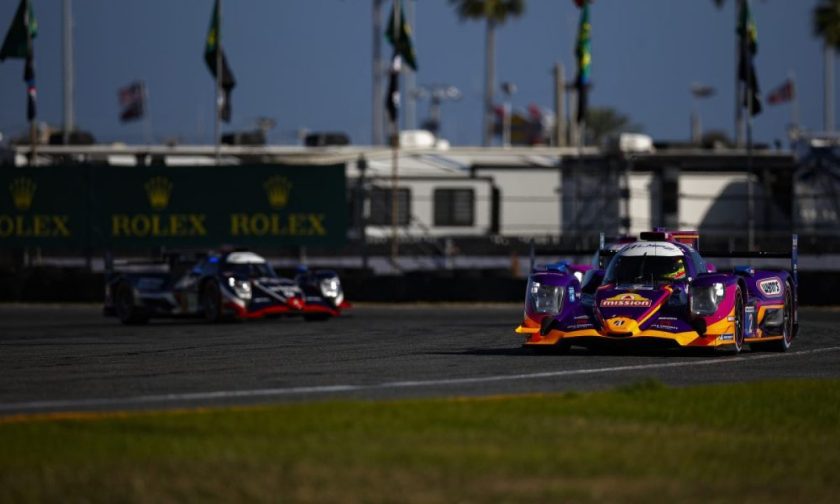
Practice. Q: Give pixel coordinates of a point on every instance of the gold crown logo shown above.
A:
(158, 189)
(23, 192)
(277, 189)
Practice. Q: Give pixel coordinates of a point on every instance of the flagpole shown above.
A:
(33, 128)
(378, 67)
(218, 80)
(794, 103)
(410, 78)
(748, 89)
(147, 116)
(739, 93)
(69, 119)
(395, 127)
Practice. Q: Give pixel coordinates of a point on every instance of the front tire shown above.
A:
(126, 310)
(211, 302)
(738, 327)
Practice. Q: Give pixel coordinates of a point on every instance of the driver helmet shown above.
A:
(677, 270)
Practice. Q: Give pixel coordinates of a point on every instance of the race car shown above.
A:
(660, 289)
(219, 285)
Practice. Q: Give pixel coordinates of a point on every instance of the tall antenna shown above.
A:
(69, 83)
(377, 114)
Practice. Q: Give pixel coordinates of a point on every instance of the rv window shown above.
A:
(380, 207)
(454, 207)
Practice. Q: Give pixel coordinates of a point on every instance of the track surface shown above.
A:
(70, 358)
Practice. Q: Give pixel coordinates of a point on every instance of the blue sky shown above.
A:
(307, 63)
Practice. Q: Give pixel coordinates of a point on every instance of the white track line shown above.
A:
(326, 389)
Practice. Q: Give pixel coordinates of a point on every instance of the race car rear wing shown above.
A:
(167, 259)
(793, 255)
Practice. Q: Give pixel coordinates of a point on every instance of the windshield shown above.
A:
(249, 270)
(645, 269)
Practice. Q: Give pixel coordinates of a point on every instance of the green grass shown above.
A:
(762, 442)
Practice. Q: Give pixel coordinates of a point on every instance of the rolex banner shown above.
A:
(42, 206)
(111, 207)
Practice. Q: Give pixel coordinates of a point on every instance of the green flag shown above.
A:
(18, 44)
(211, 48)
(24, 28)
(583, 52)
(748, 36)
(402, 43)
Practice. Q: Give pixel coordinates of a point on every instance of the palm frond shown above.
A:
(494, 10)
(827, 21)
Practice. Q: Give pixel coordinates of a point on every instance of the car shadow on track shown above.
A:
(692, 353)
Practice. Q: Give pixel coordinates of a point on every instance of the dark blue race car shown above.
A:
(217, 286)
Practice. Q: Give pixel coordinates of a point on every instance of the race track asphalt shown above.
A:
(70, 358)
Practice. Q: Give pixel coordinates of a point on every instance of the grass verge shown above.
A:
(761, 442)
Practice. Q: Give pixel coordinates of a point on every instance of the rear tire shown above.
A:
(211, 302)
(126, 310)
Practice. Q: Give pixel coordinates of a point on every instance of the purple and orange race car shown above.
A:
(660, 289)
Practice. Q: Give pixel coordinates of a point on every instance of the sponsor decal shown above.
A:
(158, 190)
(749, 311)
(618, 323)
(656, 248)
(665, 327)
(22, 191)
(276, 224)
(770, 287)
(277, 189)
(158, 224)
(571, 294)
(578, 326)
(278, 192)
(626, 300)
(727, 337)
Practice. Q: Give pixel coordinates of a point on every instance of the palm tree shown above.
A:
(827, 27)
(494, 12)
(604, 122)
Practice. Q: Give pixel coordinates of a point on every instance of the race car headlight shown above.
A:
(331, 287)
(705, 300)
(242, 288)
(545, 298)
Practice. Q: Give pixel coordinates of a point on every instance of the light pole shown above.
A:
(698, 92)
(509, 89)
(436, 94)
(67, 33)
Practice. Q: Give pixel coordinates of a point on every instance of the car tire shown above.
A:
(126, 310)
(738, 345)
(211, 302)
(783, 344)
